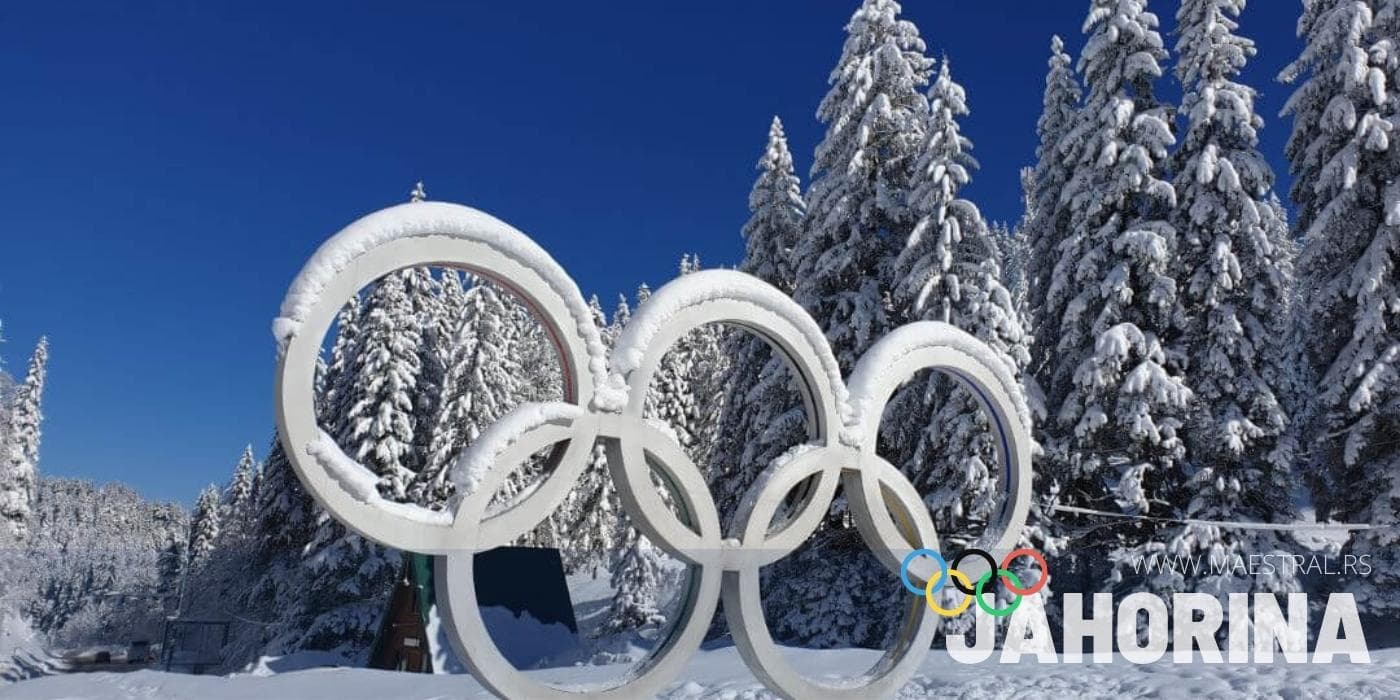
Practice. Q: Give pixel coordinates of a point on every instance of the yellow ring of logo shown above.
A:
(929, 594)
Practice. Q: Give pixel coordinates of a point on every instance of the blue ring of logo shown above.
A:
(904, 571)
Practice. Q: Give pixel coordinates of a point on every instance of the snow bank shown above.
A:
(23, 653)
(525, 641)
(720, 674)
(422, 220)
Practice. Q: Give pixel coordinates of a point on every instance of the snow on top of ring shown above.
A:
(913, 337)
(482, 454)
(363, 485)
(421, 220)
(709, 285)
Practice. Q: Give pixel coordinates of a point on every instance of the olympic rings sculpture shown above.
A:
(964, 584)
(603, 400)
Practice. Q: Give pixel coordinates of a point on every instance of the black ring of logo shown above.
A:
(991, 566)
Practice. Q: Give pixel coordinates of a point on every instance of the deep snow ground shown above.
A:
(719, 674)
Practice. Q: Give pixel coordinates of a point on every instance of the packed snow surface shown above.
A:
(719, 674)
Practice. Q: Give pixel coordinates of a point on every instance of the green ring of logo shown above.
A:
(998, 612)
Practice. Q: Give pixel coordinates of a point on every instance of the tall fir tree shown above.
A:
(951, 272)
(1115, 396)
(19, 472)
(591, 512)
(330, 592)
(1346, 164)
(635, 564)
(238, 497)
(858, 214)
(748, 435)
(1049, 217)
(204, 525)
(1237, 286)
(482, 383)
(858, 218)
(380, 426)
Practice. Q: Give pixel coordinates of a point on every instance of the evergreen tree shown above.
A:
(857, 209)
(204, 525)
(1237, 289)
(591, 513)
(20, 469)
(637, 581)
(324, 582)
(686, 389)
(858, 218)
(238, 497)
(952, 273)
(170, 574)
(379, 430)
(747, 433)
(1345, 163)
(1115, 396)
(1048, 219)
(776, 211)
(483, 382)
(334, 404)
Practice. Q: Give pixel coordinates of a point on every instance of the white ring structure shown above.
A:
(603, 400)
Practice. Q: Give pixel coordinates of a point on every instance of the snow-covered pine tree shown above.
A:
(379, 430)
(590, 514)
(19, 472)
(1115, 397)
(329, 591)
(857, 215)
(951, 272)
(635, 566)
(426, 298)
(542, 375)
(951, 267)
(755, 393)
(1237, 289)
(686, 389)
(483, 382)
(170, 575)
(1345, 162)
(204, 525)
(238, 497)
(333, 405)
(1015, 257)
(858, 218)
(637, 580)
(1048, 220)
(776, 210)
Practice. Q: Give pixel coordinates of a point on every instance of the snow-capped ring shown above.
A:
(603, 402)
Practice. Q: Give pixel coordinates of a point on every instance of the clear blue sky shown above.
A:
(166, 167)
